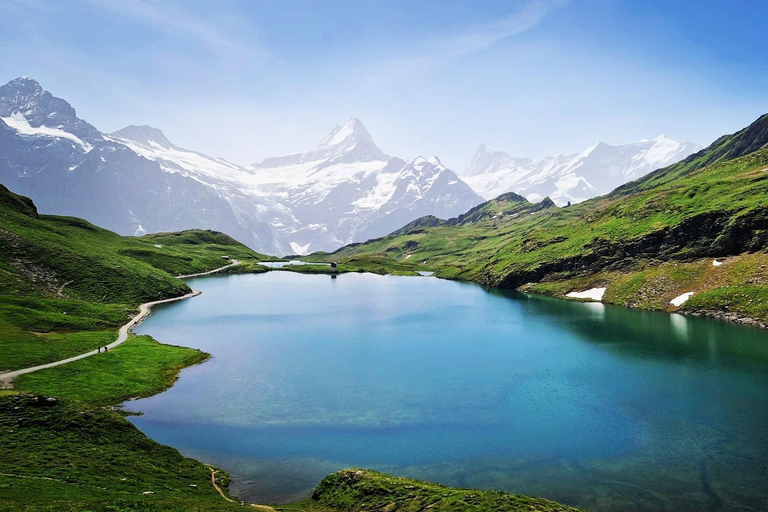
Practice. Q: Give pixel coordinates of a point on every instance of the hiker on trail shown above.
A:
(99, 350)
(106, 348)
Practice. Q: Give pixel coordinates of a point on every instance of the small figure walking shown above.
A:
(99, 350)
(106, 348)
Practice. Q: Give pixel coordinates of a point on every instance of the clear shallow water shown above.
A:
(596, 406)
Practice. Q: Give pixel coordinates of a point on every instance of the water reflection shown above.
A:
(650, 333)
(679, 325)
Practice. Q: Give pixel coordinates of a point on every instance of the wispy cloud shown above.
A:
(172, 18)
(435, 53)
(485, 35)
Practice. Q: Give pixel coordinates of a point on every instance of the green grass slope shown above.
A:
(712, 205)
(67, 285)
(356, 490)
(727, 147)
(60, 455)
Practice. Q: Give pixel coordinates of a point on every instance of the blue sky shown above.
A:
(249, 79)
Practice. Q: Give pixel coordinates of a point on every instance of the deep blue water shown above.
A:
(600, 407)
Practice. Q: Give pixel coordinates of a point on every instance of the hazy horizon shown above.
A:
(247, 80)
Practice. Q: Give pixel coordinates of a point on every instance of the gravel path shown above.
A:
(7, 378)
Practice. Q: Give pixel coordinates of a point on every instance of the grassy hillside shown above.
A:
(356, 490)
(67, 285)
(645, 237)
(60, 455)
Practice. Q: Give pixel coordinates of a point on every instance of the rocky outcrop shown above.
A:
(712, 234)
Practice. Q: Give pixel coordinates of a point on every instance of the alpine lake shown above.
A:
(591, 405)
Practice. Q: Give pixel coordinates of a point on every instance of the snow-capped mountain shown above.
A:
(346, 190)
(152, 144)
(135, 180)
(68, 167)
(343, 190)
(572, 178)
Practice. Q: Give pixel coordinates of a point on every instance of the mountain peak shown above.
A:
(352, 130)
(21, 94)
(482, 149)
(25, 82)
(143, 134)
(349, 143)
(591, 149)
(26, 97)
(484, 160)
(419, 162)
(355, 123)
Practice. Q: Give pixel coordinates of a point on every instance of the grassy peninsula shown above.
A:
(67, 285)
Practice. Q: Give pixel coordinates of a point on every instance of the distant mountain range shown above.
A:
(572, 178)
(344, 190)
(135, 180)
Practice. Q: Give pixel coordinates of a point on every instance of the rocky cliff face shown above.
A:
(27, 98)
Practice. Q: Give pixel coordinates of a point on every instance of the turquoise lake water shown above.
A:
(595, 406)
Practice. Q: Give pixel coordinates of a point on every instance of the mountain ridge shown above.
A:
(572, 177)
(136, 180)
(343, 190)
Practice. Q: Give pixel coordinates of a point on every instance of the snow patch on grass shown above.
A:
(592, 294)
(680, 299)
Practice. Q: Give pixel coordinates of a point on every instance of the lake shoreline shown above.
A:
(713, 287)
(675, 325)
(530, 288)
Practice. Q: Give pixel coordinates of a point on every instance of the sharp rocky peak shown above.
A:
(39, 107)
(434, 160)
(484, 153)
(349, 143)
(485, 160)
(343, 144)
(24, 86)
(351, 131)
(23, 95)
